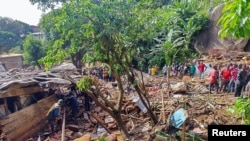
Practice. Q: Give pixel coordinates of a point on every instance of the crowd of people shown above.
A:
(230, 78)
(233, 78)
(103, 73)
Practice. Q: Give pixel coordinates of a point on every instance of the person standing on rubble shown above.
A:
(213, 79)
(153, 70)
(105, 74)
(185, 70)
(149, 70)
(225, 78)
(192, 70)
(72, 102)
(54, 117)
(87, 99)
(241, 80)
(232, 83)
(164, 70)
(202, 68)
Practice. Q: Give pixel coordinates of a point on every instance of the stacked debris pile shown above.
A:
(202, 109)
(190, 95)
(25, 98)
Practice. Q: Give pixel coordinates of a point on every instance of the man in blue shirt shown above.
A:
(72, 103)
(53, 115)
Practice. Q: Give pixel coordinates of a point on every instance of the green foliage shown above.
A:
(235, 21)
(47, 4)
(33, 50)
(85, 83)
(12, 33)
(8, 40)
(101, 139)
(132, 29)
(182, 20)
(16, 50)
(64, 36)
(241, 108)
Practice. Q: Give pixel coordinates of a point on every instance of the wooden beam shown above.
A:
(23, 124)
(20, 91)
(63, 126)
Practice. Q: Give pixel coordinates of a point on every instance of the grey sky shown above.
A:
(21, 10)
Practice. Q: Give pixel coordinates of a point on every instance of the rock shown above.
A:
(74, 128)
(108, 119)
(87, 125)
(68, 133)
(208, 39)
(86, 137)
(111, 137)
(186, 78)
(102, 114)
(179, 87)
(112, 125)
(77, 135)
(198, 88)
(63, 66)
(98, 109)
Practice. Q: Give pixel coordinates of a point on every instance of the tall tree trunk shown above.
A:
(77, 60)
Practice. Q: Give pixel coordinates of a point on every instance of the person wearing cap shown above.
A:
(54, 116)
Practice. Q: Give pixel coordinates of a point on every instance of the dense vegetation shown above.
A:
(175, 22)
(145, 26)
(12, 34)
(33, 50)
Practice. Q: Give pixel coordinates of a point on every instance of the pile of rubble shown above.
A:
(202, 110)
(191, 95)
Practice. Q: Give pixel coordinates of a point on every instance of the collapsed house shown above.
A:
(25, 98)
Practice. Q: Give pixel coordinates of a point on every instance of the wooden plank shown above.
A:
(24, 123)
(63, 126)
(20, 91)
(18, 84)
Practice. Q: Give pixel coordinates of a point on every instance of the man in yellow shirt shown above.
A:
(153, 71)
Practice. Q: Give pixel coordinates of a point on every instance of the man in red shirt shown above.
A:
(213, 79)
(226, 76)
(202, 68)
(232, 83)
